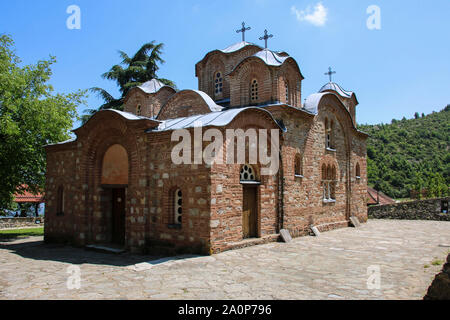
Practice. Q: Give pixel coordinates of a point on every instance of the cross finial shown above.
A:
(266, 37)
(243, 30)
(330, 73)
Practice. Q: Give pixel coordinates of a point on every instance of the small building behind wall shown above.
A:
(26, 199)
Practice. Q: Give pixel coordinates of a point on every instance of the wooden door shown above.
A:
(250, 213)
(118, 216)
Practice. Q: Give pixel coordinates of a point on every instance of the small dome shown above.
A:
(238, 46)
(332, 86)
(271, 58)
(151, 86)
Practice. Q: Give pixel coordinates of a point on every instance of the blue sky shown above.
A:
(402, 68)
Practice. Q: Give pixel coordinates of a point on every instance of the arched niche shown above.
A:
(115, 166)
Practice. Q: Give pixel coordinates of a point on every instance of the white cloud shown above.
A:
(316, 16)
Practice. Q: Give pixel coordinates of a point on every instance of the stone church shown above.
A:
(116, 183)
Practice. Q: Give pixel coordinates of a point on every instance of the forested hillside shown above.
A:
(410, 155)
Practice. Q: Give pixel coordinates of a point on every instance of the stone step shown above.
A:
(106, 248)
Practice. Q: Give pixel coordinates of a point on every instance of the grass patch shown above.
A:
(437, 262)
(426, 266)
(21, 233)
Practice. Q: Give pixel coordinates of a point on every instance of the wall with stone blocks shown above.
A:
(10, 223)
(416, 210)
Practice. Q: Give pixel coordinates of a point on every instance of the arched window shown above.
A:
(177, 206)
(358, 172)
(248, 173)
(329, 183)
(139, 110)
(218, 83)
(60, 201)
(329, 134)
(254, 91)
(298, 168)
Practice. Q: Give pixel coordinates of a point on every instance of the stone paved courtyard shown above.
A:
(332, 266)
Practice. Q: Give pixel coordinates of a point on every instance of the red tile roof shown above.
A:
(375, 197)
(28, 197)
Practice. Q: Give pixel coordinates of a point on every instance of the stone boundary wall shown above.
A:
(429, 209)
(11, 223)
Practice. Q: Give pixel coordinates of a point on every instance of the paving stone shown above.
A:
(332, 266)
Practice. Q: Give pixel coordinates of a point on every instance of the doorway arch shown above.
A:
(114, 180)
(250, 183)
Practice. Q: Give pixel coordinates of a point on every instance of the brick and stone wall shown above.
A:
(15, 223)
(151, 104)
(440, 287)
(414, 210)
(212, 204)
(227, 194)
(184, 104)
(218, 61)
(303, 195)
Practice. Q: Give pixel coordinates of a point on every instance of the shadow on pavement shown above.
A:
(35, 248)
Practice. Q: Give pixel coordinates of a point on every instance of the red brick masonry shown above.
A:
(79, 207)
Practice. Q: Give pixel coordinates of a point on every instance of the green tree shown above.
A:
(419, 184)
(402, 152)
(131, 72)
(31, 116)
(436, 186)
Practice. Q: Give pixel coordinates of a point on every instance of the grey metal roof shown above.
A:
(151, 86)
(216, 119)
(271, 58)
(63, 142)
(312, 105)
(213, 107)
(337, 88)
(126, 115)
(312, 102)
(238, 46)
(209, 101)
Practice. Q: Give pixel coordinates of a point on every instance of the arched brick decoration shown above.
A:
(151, 103)
(184, 104)
(289, 73)
(213, 65)
(97, 136)
(205, 69)
(332, 107)
(115, 166)
(252, 68)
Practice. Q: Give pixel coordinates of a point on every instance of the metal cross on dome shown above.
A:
(243, 30)
(266, 37)
(330, 73)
